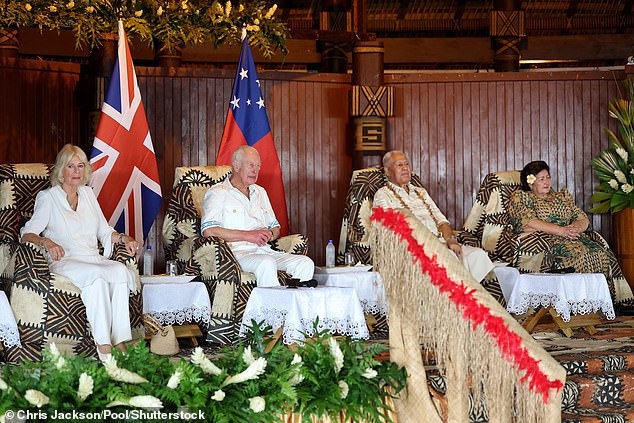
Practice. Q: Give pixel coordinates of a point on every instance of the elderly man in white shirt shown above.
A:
(239, 211)
(400, 193)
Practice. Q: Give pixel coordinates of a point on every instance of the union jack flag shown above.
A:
(125, 174)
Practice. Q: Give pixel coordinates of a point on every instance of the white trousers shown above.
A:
(476, 261)
(107, 311)
(265, 263)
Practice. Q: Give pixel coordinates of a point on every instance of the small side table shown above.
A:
(178, 303)
(368, 285)
(572, 299)
(9, 335)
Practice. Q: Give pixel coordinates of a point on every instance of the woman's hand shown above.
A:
(455, 247)
(569, 232)
(131, 244)
(54, 250)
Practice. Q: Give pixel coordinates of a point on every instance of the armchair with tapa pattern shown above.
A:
(211, 259)
(47, 306)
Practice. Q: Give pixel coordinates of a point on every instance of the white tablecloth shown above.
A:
(8, 327)
(338, 309)
(368, 285)
(177, 303)
(570, 293)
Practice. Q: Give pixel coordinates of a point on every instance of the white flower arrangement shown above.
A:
(35, 397)
(530, 179)
(336, 353)
(252, 372)
(175, 379)
(369, 373)
(257, 404)
(200, 359)
(86, 386)
(121, 375)
(344, 388)
(219, 395)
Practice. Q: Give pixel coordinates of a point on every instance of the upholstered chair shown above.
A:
(356, 221)
(488, 226)
(210, 258)
(47, 307)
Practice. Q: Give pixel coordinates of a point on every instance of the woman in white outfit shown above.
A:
(68, 222)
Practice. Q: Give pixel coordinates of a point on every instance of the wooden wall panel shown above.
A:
(456, 128)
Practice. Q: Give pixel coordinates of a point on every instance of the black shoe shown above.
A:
(309, 284)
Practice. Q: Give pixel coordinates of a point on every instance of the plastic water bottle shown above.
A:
(330, 254)
(148, 261)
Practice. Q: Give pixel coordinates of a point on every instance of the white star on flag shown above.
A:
(244, 73)
(260, 103)
(235, 102)
(248, 102)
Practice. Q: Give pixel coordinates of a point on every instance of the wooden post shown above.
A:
(507, 33)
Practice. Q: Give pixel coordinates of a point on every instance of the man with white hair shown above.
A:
(239, 211)
(400, 193)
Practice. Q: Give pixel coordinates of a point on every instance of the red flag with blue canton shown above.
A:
(247, 123)
(125, 174)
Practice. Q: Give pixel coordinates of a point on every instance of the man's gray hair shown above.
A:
(388, 156)
(236, 157)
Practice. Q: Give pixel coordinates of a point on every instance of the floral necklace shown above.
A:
(422, 199)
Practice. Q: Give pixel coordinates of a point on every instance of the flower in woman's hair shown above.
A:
(613, 184)
(344, 388)
(627, 188)
(247, 356)
(336, 353)
(175, 379)
(252, 372)
(199, 359)
(121, 375)
(271, 11)
(86, 385)
(622, 152)
(36, 398)
(257, 404)
(28, 7)
(369, 373)
(159, 11)
(3, 385)
(530, 179)
(90, 9)
(620, 176)
(219, 395)
(145, 401)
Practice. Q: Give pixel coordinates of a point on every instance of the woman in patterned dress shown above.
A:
(536, 207)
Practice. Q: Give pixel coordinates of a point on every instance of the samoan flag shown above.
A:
(247, 123)
(125, 174)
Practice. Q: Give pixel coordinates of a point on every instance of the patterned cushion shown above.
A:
(210, 258)
(356, 215)
(47, 307)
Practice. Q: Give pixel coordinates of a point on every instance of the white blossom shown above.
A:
(219, 395)
(199, 359)
(620, 176)
(271, 11)
(54, 351)
(296, 359)
(530, 179)
(145, 401)
(159, 11)
(627, 188)
(369, 373)
(86, 385)
(297, 377)
(175, 379)
(344, 388)
(60, 362)
(336, 353)
(3, 385)
(252, 372)
(36, 398)
(613, 184)
(121, 375)
(622, 152)
(257, 404)
(247, 356)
